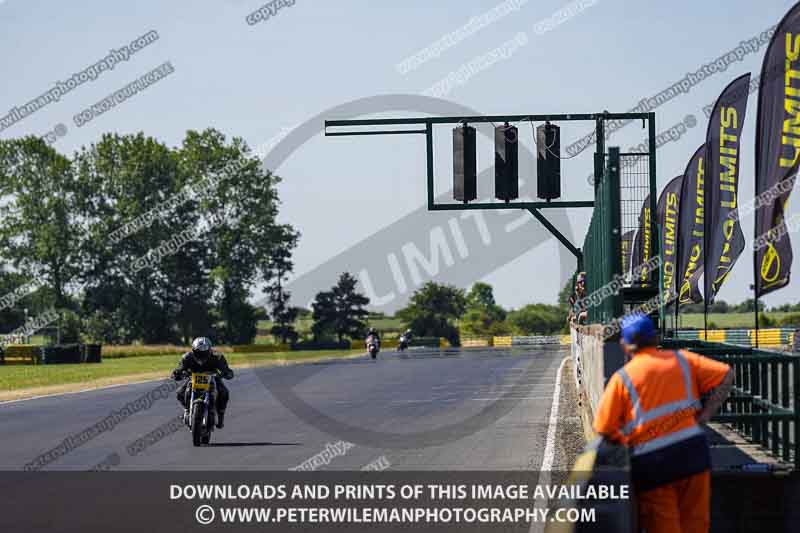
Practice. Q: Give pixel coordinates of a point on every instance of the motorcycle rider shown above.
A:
(203, 359)
(405, 338)
(374, 334)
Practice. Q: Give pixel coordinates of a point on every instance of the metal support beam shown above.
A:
(429, 159)
(376, 132)
(516, 205)
(558, 235)
(484, 119)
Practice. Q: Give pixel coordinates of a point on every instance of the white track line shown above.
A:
(549, 447)
(80, 391)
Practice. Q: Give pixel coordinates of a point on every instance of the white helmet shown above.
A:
(201, 347)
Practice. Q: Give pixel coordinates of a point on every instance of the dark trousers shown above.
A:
(183, 395)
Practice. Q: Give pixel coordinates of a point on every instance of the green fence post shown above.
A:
(796, 407)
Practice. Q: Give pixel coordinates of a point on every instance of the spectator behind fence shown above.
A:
(580, 295)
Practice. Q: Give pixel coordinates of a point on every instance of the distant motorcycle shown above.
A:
(200, 420)
(373, 346)
(403, 344)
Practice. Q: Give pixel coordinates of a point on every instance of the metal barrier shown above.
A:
(603, 241)
(476, 342)
(528, 340)
(764, 406)
(770, 337)
(535, 340)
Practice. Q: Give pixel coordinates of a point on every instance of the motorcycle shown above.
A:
(373, 347)
(201, 407)
(403, 343)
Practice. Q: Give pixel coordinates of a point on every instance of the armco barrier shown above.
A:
(345, 345)
(767, 338)
(502, 341)
(427, 342)
(92, 353)
(29, 354)
(260, 348)
(62, 354)
(476, 342)
(21, 354)
(528, 340)
(535, 340)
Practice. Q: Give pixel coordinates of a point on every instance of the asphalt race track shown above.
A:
(476, 409)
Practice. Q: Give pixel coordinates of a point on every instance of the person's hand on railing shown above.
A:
(715, 399)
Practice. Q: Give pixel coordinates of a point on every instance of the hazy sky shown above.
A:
(258, 81)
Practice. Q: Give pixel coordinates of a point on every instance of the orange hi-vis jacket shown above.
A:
(650, 405)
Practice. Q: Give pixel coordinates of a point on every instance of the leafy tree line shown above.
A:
(439, 310)
(434, 310)
(57, 213)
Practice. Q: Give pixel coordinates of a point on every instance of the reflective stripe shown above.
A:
(642, 417)
(667, 440)
(633, 395)
(687, 375)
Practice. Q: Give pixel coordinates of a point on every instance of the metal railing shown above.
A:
(764, 406)
(603, 242)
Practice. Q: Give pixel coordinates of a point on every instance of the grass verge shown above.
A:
(21, 381)
(727, 320)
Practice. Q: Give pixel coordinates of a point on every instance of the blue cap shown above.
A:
(637, 328)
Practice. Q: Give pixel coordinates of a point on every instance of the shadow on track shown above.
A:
(235, 444)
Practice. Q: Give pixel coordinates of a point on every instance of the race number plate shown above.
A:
(200, 381)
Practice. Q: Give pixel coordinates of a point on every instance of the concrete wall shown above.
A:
(594, 361)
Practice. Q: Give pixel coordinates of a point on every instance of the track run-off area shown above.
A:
(469, 409)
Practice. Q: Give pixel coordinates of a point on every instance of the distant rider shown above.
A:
(203, 359)
(374, 335)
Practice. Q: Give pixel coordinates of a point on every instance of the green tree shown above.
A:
(283, 315)
(40, 223)
(481, 296)
(60, 219)
(241, 198)
(748, 306)
(121, 178)
(276, 269)
(12, 314)
(323, 316)
(341, 310)
(565, 292)
(787, 308)
(107, 327)
(226, 217)
(792, 320)
(478, 322)
(483, 317)
(719, 306)
(537, 319)
(433, 310)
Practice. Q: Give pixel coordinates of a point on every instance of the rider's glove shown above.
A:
(177, 374)
(228, 374)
